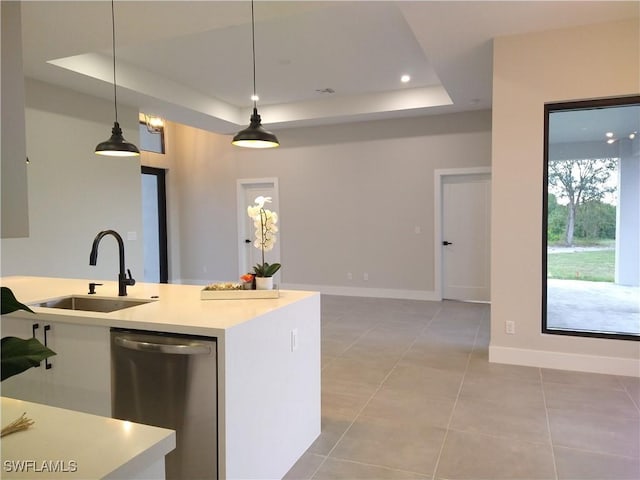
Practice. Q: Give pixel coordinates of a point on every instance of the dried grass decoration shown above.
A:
(21, 423)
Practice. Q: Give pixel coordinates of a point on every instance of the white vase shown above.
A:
(264, 283)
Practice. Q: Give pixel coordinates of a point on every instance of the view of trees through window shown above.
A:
(591, 202)
(581, 209)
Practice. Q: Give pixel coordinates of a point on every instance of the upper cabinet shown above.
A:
(15, 207)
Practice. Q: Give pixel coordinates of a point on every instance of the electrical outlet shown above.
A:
(349, 276)
(510, 327)
(294, 339)
(365, 276)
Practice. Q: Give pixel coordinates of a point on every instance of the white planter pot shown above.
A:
(264, 283)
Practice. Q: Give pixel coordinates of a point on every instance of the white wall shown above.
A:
(73, 193)
(167, 161)
(529, 70)
(627, 271)
(350, 199)
(13, 185)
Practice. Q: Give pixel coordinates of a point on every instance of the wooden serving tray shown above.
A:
(237, 294)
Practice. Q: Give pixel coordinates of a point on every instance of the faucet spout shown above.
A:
(123, 281)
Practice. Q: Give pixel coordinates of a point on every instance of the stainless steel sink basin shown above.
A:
(92, 304)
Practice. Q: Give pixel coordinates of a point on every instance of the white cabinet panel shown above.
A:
(79, 377)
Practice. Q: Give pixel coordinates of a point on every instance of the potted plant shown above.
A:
(264, 221)
(19, 354)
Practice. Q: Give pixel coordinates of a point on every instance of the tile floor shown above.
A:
(408, 393)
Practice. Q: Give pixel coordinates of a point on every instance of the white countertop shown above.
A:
(178, 308)
(86, 446)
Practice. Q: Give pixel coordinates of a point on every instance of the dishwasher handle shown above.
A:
(193, 348)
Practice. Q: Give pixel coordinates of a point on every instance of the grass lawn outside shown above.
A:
(594, 266)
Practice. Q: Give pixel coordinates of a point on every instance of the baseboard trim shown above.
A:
(342, 291)
(365, 292)
(628, 367)
(190, 281)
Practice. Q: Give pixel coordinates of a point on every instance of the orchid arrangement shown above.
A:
(264, 221)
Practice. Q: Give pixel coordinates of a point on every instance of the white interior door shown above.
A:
(248, 190)
(466, 242)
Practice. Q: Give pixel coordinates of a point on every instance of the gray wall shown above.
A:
(350, 196)
(350, 199)
(74, 193)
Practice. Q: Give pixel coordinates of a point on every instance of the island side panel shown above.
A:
(272, 390)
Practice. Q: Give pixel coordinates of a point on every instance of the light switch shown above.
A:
(294, 339)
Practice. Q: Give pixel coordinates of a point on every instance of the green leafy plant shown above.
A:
(17, 354)
(266, 270)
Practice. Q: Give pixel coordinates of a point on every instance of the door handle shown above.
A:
(247, 241)
(445, 243)
(34, 327)
(47, 365)
(194, 348)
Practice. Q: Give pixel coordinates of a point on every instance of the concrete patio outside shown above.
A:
(593, 307)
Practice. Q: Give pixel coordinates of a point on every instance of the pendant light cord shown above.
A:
(253, 49)
(113, 44)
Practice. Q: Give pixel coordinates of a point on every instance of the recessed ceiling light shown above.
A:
(405, 78)
(255, 98)
(632, 135)
(609, 134)
(611, 140)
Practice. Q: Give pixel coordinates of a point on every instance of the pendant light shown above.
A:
(255, 136)
(116, 146)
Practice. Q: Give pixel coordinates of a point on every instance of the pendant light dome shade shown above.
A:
(117, 146)
(255, 136)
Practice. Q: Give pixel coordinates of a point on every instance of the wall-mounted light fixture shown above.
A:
(154, 124)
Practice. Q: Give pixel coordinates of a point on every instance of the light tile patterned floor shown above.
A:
(408, 393)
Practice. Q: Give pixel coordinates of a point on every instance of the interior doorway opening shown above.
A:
(463, 234)
(247, 191)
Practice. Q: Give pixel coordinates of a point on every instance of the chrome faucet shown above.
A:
(123, 281)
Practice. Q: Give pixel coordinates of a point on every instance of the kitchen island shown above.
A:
(71, 445)
(268, 361)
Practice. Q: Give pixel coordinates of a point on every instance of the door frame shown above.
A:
(241, 185)
(163, 260)
(438, 177)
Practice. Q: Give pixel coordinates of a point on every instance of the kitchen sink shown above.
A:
(92, 304)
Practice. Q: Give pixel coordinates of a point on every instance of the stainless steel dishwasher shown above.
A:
(169, 381)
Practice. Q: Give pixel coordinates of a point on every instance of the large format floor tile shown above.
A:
(333, 469)
(581, 465)
(590, 400)
(610, 434)
(475, 456)
(408, 393)
(425, 380)
(401, 407)
(512, 420)
(407, 447)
